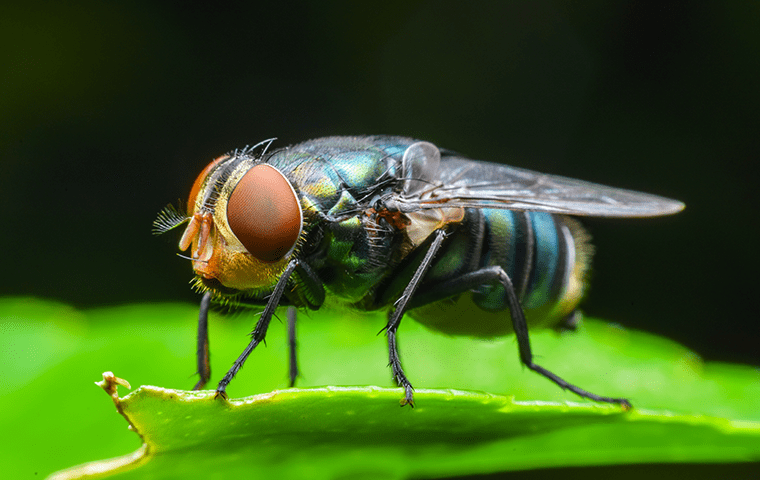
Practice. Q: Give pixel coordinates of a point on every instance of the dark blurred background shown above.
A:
(109, 110)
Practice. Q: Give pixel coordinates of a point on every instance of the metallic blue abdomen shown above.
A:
(539, 252)
(531, 247)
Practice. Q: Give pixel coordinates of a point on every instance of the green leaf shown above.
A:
(340, 432)
(684, 411)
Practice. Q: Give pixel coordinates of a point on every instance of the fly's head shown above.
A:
(244, 222)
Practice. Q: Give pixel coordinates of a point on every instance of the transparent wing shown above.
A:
(468, 183)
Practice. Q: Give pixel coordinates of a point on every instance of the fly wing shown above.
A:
(472, 184)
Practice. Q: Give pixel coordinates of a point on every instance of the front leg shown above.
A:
(260, 332)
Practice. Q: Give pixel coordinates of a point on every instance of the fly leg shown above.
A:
(204, 367)
(311, 295)
(398, 312)
(523, 342)
(260, 332)
(496, 274)
(570, 322)
(395, 362)
(292, 314)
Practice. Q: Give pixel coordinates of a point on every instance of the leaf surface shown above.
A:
(684, 410)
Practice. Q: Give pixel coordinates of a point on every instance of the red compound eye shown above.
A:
(264, 214)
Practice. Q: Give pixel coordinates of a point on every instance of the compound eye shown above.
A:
(264, 213)
(199, 183)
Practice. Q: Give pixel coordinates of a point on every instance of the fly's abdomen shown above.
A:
(546, 256)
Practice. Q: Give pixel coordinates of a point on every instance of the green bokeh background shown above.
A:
(109, 110)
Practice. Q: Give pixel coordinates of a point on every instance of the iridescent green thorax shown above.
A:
(338, 174)
(338, 181)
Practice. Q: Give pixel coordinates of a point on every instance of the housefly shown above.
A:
(393, 224)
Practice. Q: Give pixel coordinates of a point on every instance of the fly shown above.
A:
(397, 225)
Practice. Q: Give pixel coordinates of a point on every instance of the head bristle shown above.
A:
(168, 218)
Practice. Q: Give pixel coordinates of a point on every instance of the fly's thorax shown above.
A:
(357, 255)
(245, 223)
